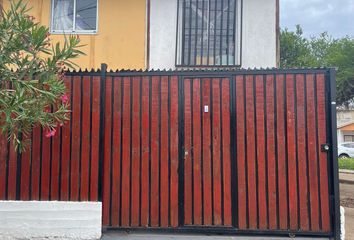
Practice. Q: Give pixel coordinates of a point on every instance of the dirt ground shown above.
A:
(347, 201)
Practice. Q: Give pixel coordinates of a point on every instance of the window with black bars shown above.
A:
(207, 33)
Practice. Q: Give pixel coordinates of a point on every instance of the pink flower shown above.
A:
(50, 133)
(64, 98)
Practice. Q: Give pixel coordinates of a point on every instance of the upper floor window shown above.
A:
(208, 33)
(74, 16)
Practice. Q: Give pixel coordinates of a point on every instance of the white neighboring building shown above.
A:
(213, 34)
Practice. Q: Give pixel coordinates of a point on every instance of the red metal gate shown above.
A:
(239, 152)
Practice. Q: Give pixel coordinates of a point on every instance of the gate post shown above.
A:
(333, 126)
(102, 124)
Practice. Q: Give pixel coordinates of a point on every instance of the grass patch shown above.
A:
(347, 163)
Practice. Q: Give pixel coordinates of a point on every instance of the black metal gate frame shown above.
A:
(331, 132)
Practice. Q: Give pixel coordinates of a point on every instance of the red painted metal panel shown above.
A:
(36, 161)
(106, 198)
(3, 165)
(197, 148)
(241, 157)
(188, 205)
(216, 150)
(164, 150)
(301, 152)
(85, 138)
(55, 168)
(271, 151)
(95, 138)
(262, 163)
(251, 153)
(25, 171)
(155, 145)
(126, 152)
(116, 151)
(226, 150)
(135, 151)
(45, 167)
(12, 173)
(145, 155)
(291, 151)
(322, 138)
(281, 153)
(174, 151)
(65, 150)
(206, 161)
(75, 139)
(312, 152)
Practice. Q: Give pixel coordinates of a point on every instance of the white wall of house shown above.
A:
(258, 34)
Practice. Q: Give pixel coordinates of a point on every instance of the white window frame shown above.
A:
(74, 31)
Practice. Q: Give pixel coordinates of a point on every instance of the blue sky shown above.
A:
(316, 16)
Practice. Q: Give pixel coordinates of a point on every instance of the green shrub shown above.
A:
(346, 163)
(32, 91)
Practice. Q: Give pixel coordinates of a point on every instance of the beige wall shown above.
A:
(120, 40)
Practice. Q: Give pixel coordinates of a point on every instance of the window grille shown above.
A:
(208, 33)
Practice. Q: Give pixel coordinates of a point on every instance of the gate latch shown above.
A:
(325, 147)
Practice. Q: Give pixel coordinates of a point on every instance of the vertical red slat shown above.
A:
(197, 161)
(45, 167)
(154, 141)
(54, 184)
(322, 138)
(12, 173)
(164, 177)
(174, 151)
(188, 153)
(216, 154)
(312, 152)
(145, 125)
(261, 153)
(85, 138)
(282, 176)
(225, 112)
(251, 154)
(95, 137)
(126, 152)
(291, 146)
(135, 178)
(65, 150)
(35, 169)
(241, 158)
(116, 150)
(270, 151)
(107, 146)
(25, 170)
(207, 168)
(76, 140)
(3, 160)
(301, 152)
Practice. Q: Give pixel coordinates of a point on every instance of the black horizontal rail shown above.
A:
(223, 231)
(200, 72)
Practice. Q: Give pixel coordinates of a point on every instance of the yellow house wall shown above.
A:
(120, 40)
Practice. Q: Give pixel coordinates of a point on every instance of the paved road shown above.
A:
(347, 201)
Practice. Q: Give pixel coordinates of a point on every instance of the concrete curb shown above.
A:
(345, 176)
(346, 171)
(346, 181)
